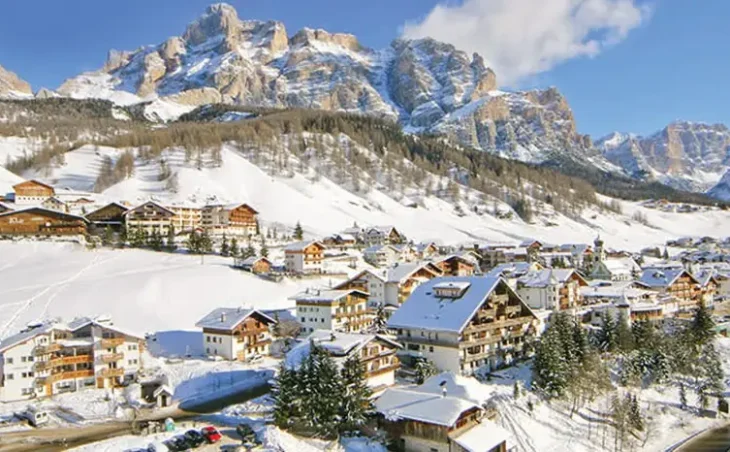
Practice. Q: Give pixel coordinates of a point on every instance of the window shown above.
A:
(22, 359)
(430, 348)
(8, 360)
(9, 376)
(303, 320)
(207, 338)
(322, 320)
(132, 347)
(30, 359)
(26, 391)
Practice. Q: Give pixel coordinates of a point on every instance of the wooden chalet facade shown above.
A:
(150, 217)
(237, 220)
(111, 215)
(186, 219)
(674, 282)
(236, 334)
(335, 310)
(462, 324)
(41, 222)
(455, 266)
(304, 257)
(256, 265)
(32, 192)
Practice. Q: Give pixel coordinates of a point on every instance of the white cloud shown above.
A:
(521, 38)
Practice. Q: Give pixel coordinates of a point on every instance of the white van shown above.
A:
(35, 416)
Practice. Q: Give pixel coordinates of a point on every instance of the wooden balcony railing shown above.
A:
(70, 375)
(111, 357)
(382, 370)
(46, 349)
(112, 342)
(106, 373)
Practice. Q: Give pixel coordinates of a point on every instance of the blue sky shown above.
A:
(674, 64)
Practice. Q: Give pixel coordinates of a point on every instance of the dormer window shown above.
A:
(450, 289)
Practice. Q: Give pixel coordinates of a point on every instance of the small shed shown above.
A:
(163, 396)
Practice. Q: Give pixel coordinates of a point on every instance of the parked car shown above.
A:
(195, 438)
(178, 444)
(247, 433)
(211, 434)
(255, 358)
(34, 416)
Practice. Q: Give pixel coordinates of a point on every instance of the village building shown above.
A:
(336, 310)
(407, 252)
(383, 235)
(304, 257)
(377, 354)
(186, 219)
(257, 265)
(149, 217)
(54, 203)
(236, 333)
(633, 299)
(512, 272)
(51, 358)
(41, 222)
(381, 255)
(427, 250)
(675, 282)
(32, 192)
(393, 286)
(552, 289)
(708, 286)
(340, 241)
(463, 324)
(455, 266)
(616, 269)
(5, 207)
(233, 220)
(109, 216)
(442, 415)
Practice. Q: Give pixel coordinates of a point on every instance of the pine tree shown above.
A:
(607, 334)
(516, 390)
(276, 329)
(249, 251)
(206, 244)
(380, 324)
(170, 242)
(123, 235)
(624, 336)
(286, 397)
(193, 243)
(298, 232)
(424, 370)
(156, 241)
(264, 250)
(108, 238)
(355, 407)
(702, 329)
(636, 420)
(225, 248)
(235, 250)
(258, 228)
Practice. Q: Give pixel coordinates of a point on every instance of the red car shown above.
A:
(211, 434)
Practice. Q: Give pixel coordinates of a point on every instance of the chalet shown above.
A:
(187, 218)
(554, 289)
(149, 217)
(5, 208)
(32, 192)
(406, 252)
(236, 333)
(235, 220)
(464, 323)
(427, 250)
(257, 265)
(581, 254)
(708, 286)
(51, 357)
(675, 282)
(383, 235)
(377, 354)
(616, 269)
(40, 221)
(471, 256)
(393, 286)
(381, 255)
(455, 266)
(304, 257)
(441, 415)
(111, 215)
(631, 298)
(340, 240)
(54, 203)
(512, 272)
(336, 310)
(532, 245)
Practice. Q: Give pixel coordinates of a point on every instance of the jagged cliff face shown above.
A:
(12, 86)
(425, 84)
(685, 155)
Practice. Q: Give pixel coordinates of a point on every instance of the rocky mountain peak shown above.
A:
(219, 19)
(13, 86)
(116, 59)
(308, 36)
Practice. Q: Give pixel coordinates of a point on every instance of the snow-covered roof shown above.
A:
(467, 388)
(421, 247)
(513, 269)
(43, 210)
(385, 229)
(416, 405)
(27, 334)
(253, 259)
(162, 389)
(378, 248)
(158, 205)
(338, 345)
(547, 276)
(484, 436)
(325, 296)
(102, 321)
(399, 272)
(228, 318)
(621, 266)
(664, 277)
(425, 309)
(300, 246)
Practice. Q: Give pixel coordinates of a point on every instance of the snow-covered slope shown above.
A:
(721, 191)
(686, 155)
(12, 86)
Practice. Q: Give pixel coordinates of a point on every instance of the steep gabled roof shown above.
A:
(134, 209)
(33, 181)
(415, 405)
(300, 246)
(664, 277)
(44, 211)
(399, 272)
(111, 204)
(325, 296)
(228, 318)
(27, 334)
(338, 345)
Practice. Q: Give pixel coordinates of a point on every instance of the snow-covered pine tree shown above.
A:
(682, 396)
(298, 231)
(380, 324)
(206, 244)
(155, 241)
(225, 248)
(123, 236)
(624, 337)
(108, 238)
(264, 250)
(702, 329)
(424, 369)
(235, 250)
(607, 334)
(285, 393)
(170, 242)
(355, 407)
(636, 419)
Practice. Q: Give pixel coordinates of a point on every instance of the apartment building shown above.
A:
(234, 220)
(304, 257)
(336, 310)
(52, 357)
(236, 333)
(553, 289)
(186, 218)
(151, 217)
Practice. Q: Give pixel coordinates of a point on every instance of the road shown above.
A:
(715, 440)
(60, 439)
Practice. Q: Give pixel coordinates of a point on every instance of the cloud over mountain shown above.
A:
(520, 38)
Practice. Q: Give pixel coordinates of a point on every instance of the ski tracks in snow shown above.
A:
(59, 286)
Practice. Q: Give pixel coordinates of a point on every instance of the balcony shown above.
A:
(499, 299)
(249, 347)
(498, 324)
(382, 370)
(427, 341)
(481, 341)
(71, 375)
(109, 373)
(513, 309)
(111, 358)
(111, 343)
(46, 349)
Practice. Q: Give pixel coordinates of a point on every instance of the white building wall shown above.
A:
(386, 379)
(219, 345)
(315, 318)
(18, 374)
(391, 293)
(376, 289)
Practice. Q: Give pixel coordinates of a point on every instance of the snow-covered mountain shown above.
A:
(12, 86)
(425, 84)
(689, 156)
(721, 191)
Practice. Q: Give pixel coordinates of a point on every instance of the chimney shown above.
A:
(443, 388)
(223, 317)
